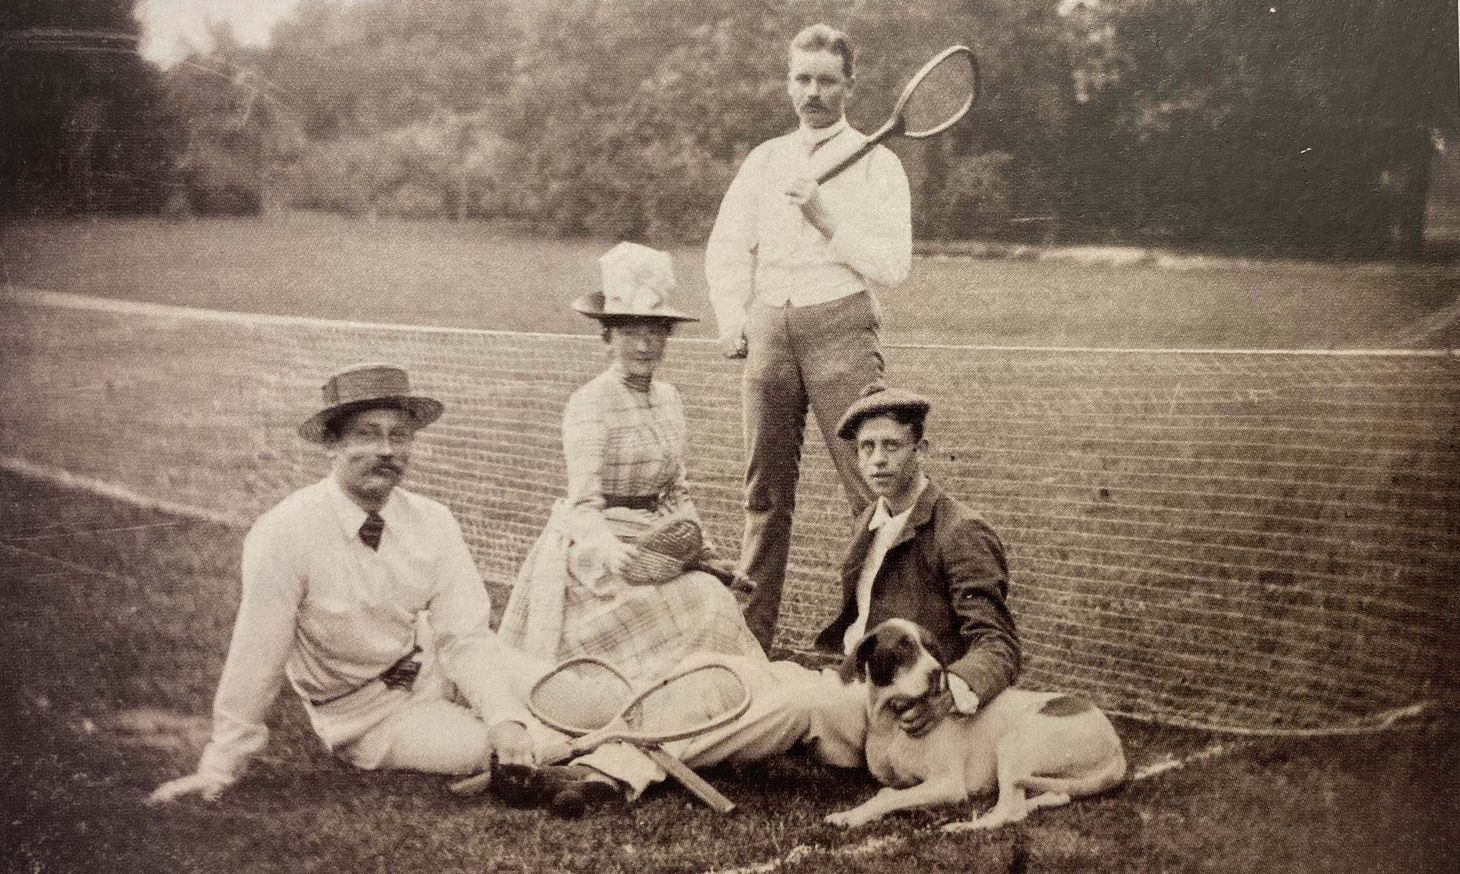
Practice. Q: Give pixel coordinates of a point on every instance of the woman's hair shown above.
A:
(608, 323)
(825, 38)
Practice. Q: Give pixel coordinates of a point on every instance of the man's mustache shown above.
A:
(388, 467)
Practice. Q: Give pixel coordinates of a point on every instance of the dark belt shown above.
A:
(401, 675)
(632, 502)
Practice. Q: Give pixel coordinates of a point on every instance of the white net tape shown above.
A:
(1259, 541)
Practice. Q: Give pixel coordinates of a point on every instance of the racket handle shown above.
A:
(690, 780)
(723, 574)
(846, 162)
(471, 786)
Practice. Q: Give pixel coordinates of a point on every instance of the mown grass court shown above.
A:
(117, 617)
(479, 276)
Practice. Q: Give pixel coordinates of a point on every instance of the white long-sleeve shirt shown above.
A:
(324, 610)
(762, 247)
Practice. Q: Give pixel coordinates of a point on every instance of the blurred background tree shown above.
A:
(84, 119)
(1280, 126)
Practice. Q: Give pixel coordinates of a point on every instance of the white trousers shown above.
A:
(791, 706)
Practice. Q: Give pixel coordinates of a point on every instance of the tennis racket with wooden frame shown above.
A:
(592, 702)
(935, 98)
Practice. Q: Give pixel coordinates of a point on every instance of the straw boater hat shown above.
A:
(366, 387)
(877, 399)
(636, 280)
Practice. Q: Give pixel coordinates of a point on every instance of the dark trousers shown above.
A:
(817, 357)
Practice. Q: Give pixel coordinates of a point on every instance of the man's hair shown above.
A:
(908, 416)
(825, 38)
(610, 322)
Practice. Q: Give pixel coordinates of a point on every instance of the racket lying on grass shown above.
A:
(934, 100)
(589, 700)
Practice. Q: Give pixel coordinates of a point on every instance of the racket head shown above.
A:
(685, 703)
(939, 94)
(579, 695)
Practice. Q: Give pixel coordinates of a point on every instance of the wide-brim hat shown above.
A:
(592, 306)
(636, 284)
(368, 387)
(876, 400)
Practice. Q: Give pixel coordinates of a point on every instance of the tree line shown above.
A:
(1280, 126)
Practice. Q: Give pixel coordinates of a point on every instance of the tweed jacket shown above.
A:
(946, 571)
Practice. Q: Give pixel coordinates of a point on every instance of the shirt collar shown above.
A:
(349, 514)
(811, 137)
(881, 515)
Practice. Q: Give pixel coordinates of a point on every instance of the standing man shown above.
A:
(336, 579)
(791, 267)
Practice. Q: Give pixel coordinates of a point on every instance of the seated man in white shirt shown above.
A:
(916, 554)
(336, 579)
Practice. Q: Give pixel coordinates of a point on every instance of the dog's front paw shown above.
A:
(849, 818)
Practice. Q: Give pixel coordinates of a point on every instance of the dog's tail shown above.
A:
(1108, 776)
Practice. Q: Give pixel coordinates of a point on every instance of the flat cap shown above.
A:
(876, 400)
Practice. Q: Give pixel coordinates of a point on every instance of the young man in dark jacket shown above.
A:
(919, 554)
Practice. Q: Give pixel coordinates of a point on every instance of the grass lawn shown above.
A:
(117, 618)
(116, 621)
(479, 276)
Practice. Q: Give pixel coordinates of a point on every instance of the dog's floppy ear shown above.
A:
(930, 644)
(854, 666)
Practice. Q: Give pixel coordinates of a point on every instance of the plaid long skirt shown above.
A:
(646, 630)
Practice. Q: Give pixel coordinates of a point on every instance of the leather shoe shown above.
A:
(566, 791)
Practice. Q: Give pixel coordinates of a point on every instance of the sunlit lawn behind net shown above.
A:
(117, 619)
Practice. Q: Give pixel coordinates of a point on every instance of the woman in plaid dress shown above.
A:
(624, 442)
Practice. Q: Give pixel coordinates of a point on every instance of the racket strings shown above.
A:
(577, 698)
(684, 704)
(940, 96)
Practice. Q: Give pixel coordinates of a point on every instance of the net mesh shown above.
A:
(1232, 540)
(941, 96)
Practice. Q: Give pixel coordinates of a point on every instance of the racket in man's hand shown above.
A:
(934, 100)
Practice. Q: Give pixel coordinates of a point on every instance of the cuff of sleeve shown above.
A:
(844, 245)
(965, 701)
(220, 766)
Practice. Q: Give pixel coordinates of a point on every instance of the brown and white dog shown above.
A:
(1059, 746)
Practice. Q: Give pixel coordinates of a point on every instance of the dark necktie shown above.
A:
(370, 530)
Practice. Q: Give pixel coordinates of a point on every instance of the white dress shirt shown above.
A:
(763, 248)
(887, 528)
(324, 610)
